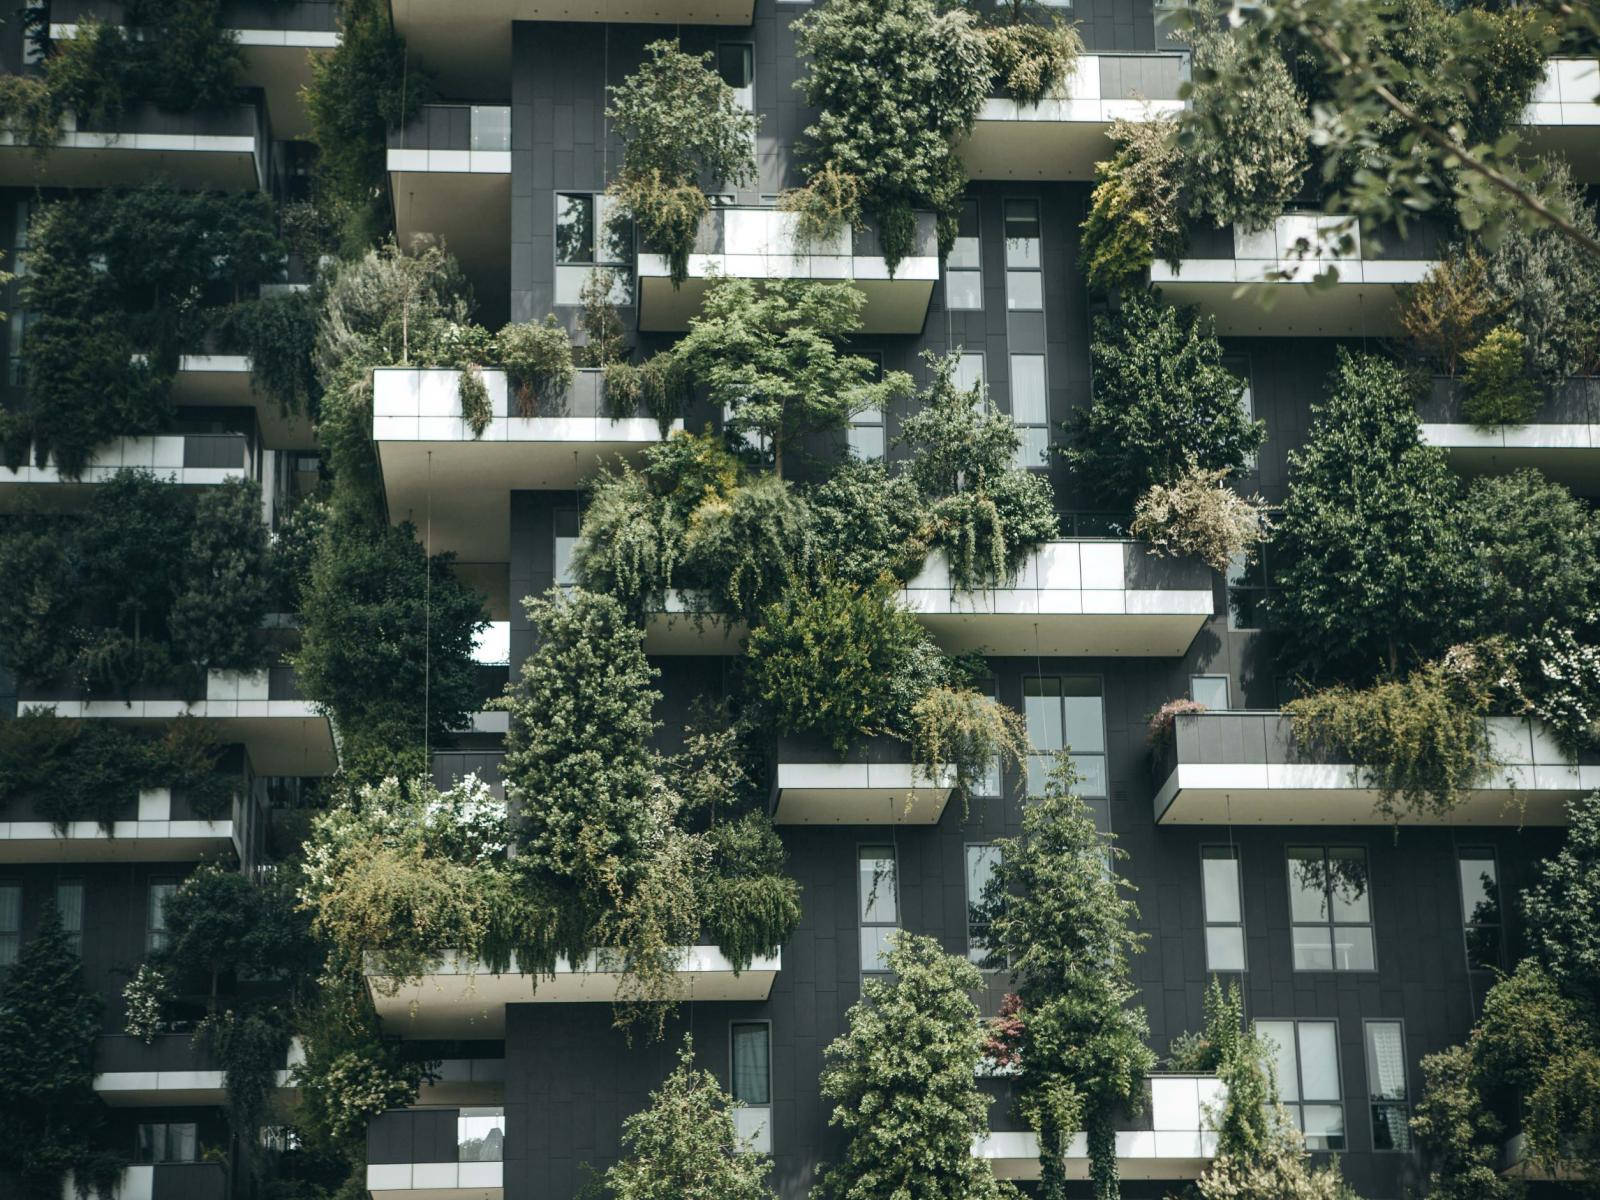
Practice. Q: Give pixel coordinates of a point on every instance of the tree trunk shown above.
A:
(1103, 1153)
(1052, 1166)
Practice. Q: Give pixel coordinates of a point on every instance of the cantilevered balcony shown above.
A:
(170, 1071)
(1179, 1143)
(463, 999)
(1063, 138)
(164, 1181)
(221, 149)
(224, 381)
(873, 783)
(1246, 767)
(1561, 439)
(160, 826)
(761, 243)
(686, 625)
(450, 176)
(432, 463)
(437, 1153)
(188, 459)
(283, 733)
(1564, 117)
(1265, 282)
(277, 40)
(1071, 598)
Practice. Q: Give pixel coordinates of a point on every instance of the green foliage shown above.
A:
(1535, 555)
(30, 111)
(829, 202)
(1459, 1136)
(1245, 132)
(1371, 569)
(986, 515)
(278, 334)
(1063, 923)
(473, 395)
(50, 1118)
(1560, 677)
(1162, 401)
(961, 727)
(898, 84)
(1446, 314)
(901, 1079)
(826, 660)
(142, 1002)
(742, 554)
(684, 1145)
(1133, 216)
(1499, 391)
(773, 358)
(538, 362)
(357, 94)
(119, 285)
(150, 586)
(678, 122)
(386, 645)
(1562, 909)
(1422, 741)
(1201, 516)
(605, 341)
(1030, 60)
(869, 523)
(294, 550)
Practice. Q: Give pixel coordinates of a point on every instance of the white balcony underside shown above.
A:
(860, 794)
(436, 1181)
(464, 1000)
(1365, 300)
(1569, 453)
(1058, 139)
(224, 381)
(1160, 634)
(1144, 1154)
(1340, 794)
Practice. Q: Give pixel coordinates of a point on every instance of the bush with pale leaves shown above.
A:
(1199, 515)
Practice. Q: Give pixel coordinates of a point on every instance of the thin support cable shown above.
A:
(427, 615)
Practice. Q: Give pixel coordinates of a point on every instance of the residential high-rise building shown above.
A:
(1361, 941)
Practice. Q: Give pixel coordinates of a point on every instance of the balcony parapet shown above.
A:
(170, 1070)
(1245, 767)
(427, 1154)
(1561, 438)
(873, 783)
(164, 1181)
(224, 149)
(188, 459)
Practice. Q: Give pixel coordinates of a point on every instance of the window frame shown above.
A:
(1297, 1106)
(1227, 688)
(1104, 754)
(1329, 921)
(74, 936)
(1374, 1102)
(870, 421)
(622, 269)
(1022, 429)
(862, 924)
(1036, 271)
(11, 939)
(1468, 925)
(1232, 854)
(150, 929)
(967, 849)
(977, 219)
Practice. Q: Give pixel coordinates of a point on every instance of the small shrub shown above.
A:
(965, 729)
(474, 397)
(142, 1001)
(605, 341)
(1158, 730)
(829, 202)
(1029, 62)
(1422, 740)
(1499, 390)
(1450, 310)
(743, 553)
(664, 388)
(624, 388)
(30, 111)
(1200, 515)
(1560, 676)
(869, 523)
(1133, 214)
(538, 361)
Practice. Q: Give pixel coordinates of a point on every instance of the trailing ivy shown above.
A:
(1134, 216)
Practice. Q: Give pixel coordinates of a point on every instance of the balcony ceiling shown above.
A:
(470, 212)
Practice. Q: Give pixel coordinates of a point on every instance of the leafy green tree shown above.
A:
(1062, 921)
(216, 617)
(684, 1146)
(773, 358)
(679, 123)
(1162, 399)
(984, 512)
(386, 646)
(1245, 132)
(50, 1119)
(1371, 569)
(901, 1079)
(741, 555)
(1562, 910)
(1459, 1135)
(869, 523)
(1535, 554)
(357, 94)
(897, 84)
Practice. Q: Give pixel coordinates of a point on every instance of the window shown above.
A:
(1305, 1055)
(963, 270)
(865, 434)
(1386, 1086)
(981, 863)
(166, 1141)
(587, 240)
(480, 1134)
(1219, 877)
(1066, 712)
(1210, 690)
(1030, 409)
(752, 1085)
(736, 64)
(1024, 274)
(1480, 907)
(1330, 909)
(69, 907)
(563, 561)
(880, 905)
(10, 922)
(1250, 583)
(156, 915)
(18, 323)
(970, 372)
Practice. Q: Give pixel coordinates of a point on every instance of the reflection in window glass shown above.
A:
(480, 1134)
(69, 908)
(1066, 712)
(981, 863)
(1219, 867)
(1386, 1086)
(1024, 279)
(879, 905)
(1480, 907)
(588, 242)
(963, 269)
(736, 64)
(166, 1142)
(1304, 1055)
(574, 228)
(969, 372)
(156, 915)
(1330, 907)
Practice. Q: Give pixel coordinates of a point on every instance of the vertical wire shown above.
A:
(427, 616)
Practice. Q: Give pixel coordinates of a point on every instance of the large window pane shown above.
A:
(1480, 907)
(876, 942)
(969, 371)
(480, 1134)
(1323, 1125)
(69, 907)
(963, 290)
(1279, 1039)
(10, 922)
(574, 228)
(1353, 948)
(1041, 700)
(965, 254)
(156, 915)
(1028, 389)
(1210, 690)
(1347, 884)
(877, 882)
(981, 864)
(1221, 873)
(1319, 1061)
(1022, 234)
(1224, 948)
(1308, 890)
(1024, 290)
(1313, 948)
(752, 1069)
